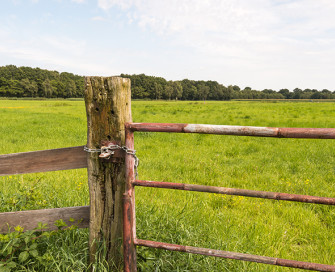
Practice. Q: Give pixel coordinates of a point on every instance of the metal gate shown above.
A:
(129, 224)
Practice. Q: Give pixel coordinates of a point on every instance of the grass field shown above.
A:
(263, 227)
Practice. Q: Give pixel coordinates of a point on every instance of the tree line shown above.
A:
(150, 87)
(36, 82)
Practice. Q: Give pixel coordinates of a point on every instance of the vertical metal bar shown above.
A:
(129, 218)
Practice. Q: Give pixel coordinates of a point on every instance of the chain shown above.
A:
(90, 150)
(107, 151)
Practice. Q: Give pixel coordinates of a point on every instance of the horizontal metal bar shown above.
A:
(236, 256)
(312, 133)
(79, 216)
(233, 191)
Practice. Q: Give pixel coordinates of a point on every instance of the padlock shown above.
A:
(106, 152)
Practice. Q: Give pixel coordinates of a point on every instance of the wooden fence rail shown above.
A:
(43, 161)
(29, 220)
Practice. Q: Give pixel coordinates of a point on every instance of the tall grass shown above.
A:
(263, 227)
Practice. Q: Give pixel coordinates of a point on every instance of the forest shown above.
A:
(35, 82)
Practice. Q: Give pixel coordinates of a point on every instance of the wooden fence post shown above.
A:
(108, 108)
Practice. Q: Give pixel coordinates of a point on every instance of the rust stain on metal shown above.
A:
(236, 256)
(239, 192)
(130, 177)
(127, 235)
(157, 127)
(307, 133)
(129, 218)
(305, 265)
(313, 133)
(159, 184)
(129, 142)
(160, 245)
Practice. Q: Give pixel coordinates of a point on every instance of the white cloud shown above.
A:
(175, 16)
(239, 20)
(51, 52)
(258, 43)
(277, 35)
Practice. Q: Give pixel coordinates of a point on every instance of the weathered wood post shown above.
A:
(108, 108)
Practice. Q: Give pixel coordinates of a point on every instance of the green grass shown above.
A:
(264, 227)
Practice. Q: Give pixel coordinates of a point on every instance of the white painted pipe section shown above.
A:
(231, 130)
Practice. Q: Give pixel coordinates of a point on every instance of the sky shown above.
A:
(260, 44)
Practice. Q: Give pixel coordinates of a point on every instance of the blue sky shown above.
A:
(258, 43)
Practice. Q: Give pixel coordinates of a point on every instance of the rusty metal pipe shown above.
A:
(129, 219)
(239, 192)
(311, 133)
(130, 176)
(127, 237)
(236, 256)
